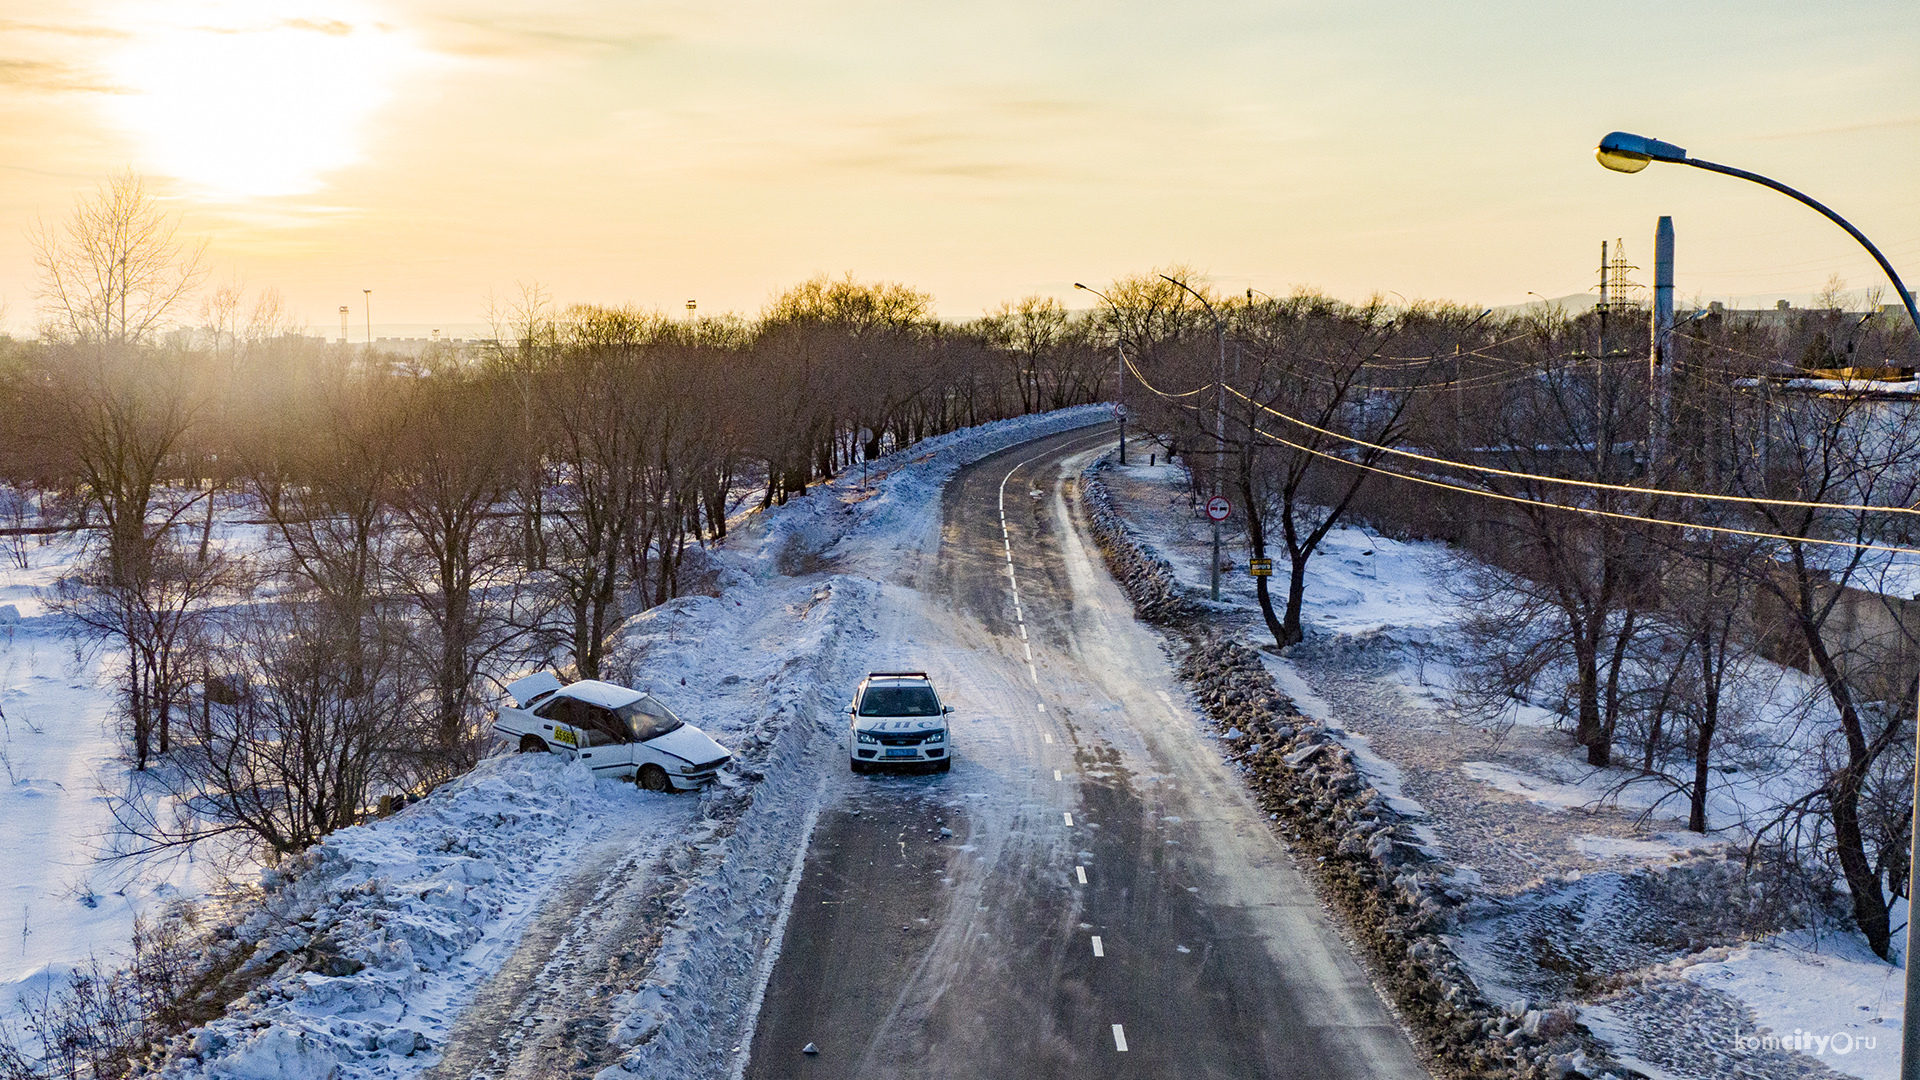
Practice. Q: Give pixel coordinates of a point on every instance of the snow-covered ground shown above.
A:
(389, 928)
(60, 757)
(1514, 807)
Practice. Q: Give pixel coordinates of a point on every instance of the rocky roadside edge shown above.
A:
(1395, 897)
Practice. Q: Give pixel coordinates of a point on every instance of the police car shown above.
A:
(895, 718)
(616, 731)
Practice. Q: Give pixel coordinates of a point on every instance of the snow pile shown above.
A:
(694, 999)
(370, 941)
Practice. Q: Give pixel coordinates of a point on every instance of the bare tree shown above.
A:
(158, 611)
(296, 731)
(114, 272)
(1317, 411)
(1834, 450)
(451, 470)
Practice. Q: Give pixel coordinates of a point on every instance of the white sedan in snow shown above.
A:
(616, 731)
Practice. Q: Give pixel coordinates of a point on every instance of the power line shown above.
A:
(1597, 485)
(1590, 511)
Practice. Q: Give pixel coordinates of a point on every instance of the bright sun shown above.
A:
(254, 97)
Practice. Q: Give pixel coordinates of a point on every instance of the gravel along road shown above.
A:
(1089, 892)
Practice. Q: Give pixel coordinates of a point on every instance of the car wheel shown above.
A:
(532, 744)
(856, 765)
(653, 778)
(946, 765)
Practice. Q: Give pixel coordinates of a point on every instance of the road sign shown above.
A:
(1260, 567)
(1218, 508)
(1119, 411)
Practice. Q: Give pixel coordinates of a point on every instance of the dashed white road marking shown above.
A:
(1033, 671)
(1056, 774)
(1023, 629)
(1068, 816)
(1081, 873)
(1043, 706)
(1120, 1038)
(1028, 645)
(1164, 696)
(1049, 738)
(1098, 950)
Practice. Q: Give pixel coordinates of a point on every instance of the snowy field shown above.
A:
(1512, 804)
(413, 913)
(61, 758)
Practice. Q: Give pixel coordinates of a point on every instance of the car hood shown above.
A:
(689, 744)
(903, 724)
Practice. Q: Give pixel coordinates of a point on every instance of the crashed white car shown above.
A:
(616, 731)
(895, 718)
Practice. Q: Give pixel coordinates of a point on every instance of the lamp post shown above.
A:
(1119, 370)
(1628, 153)
(1219, 421)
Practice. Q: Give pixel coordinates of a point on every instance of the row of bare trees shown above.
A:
(1638, 548)
(307, 561)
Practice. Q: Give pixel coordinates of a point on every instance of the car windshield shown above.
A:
(899, 701)
(647, 718)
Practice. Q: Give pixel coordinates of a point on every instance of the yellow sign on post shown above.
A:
(1260, 567)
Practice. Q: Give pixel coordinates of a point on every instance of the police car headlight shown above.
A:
(937, 736)
(861, 736)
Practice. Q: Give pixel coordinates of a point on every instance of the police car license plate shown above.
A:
(902, 751)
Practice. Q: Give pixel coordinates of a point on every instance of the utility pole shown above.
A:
(1219, 422)
(1120, 368)
(1660, 355)
(1600, 373)
(1219, 437)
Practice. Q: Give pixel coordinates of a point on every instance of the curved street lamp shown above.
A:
(1119, 371)
(1626, 152)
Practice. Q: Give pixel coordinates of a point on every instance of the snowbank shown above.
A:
(374, 939)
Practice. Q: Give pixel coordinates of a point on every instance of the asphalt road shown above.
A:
(1109, 902)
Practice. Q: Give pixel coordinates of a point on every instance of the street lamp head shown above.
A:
(1628, 153)
(1077, 285)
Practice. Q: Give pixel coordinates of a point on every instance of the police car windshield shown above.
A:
(647, 718)
(899, 701)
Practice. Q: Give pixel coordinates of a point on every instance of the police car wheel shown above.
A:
(532, 744)
(946, 765)
(653, 778)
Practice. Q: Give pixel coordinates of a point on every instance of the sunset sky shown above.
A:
(437, 151)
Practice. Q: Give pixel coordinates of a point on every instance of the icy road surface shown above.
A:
(1089, 891)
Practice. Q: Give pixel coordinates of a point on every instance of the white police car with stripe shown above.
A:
(897, 719)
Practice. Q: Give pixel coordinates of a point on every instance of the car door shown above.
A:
(559, 726)
(604, 741)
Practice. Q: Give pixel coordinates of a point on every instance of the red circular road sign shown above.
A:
(1218, 508)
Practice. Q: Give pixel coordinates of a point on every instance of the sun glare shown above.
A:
(258, 97)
